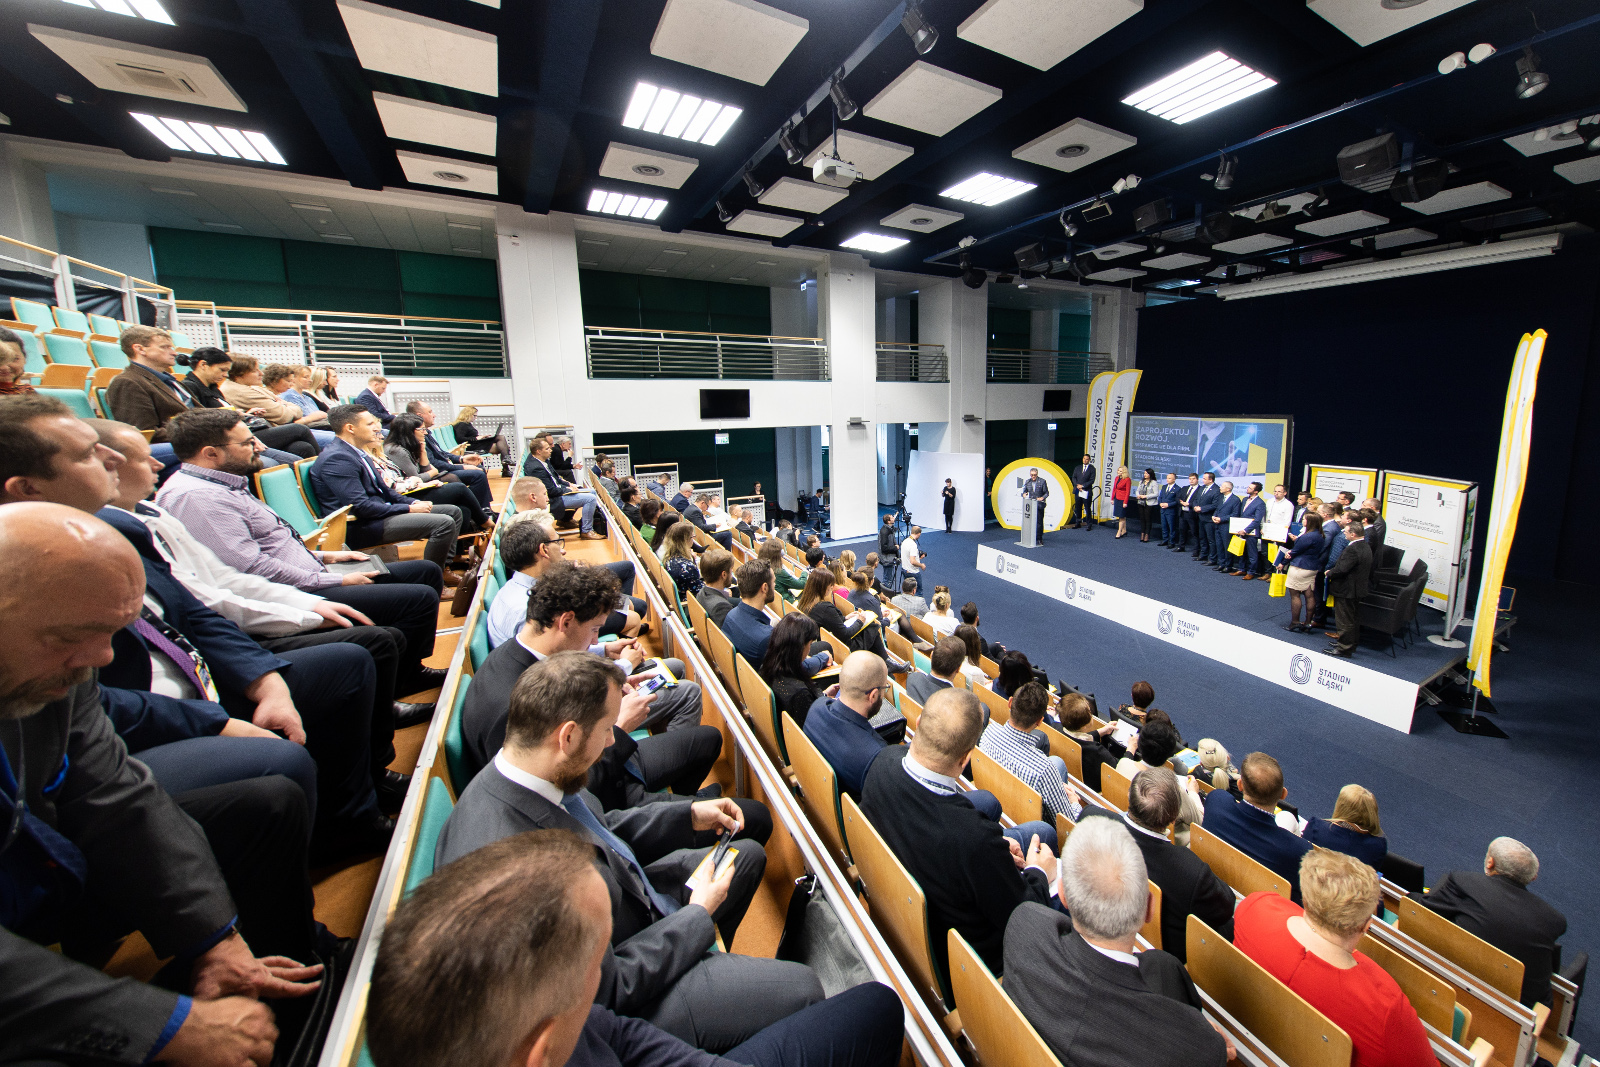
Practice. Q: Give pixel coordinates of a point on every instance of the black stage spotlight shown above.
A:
(923, 35)
(971, 276)
(1218, 226)
(723, 213)
(1067, 224)
(791, 151)
(1156, 213)
(1531, 81)
(1420, 182)
(754, 186)
(842, 103)
(1225, 172)
(1031, 258)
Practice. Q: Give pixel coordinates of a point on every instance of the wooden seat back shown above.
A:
(819, 788)
(990, 667)
(1152, 929)
(1000, 1034)
(898, 646)
(1434, 999)
(921, 628)
(1300, 1034)
(910, 709)
(1114, 786)
(1468, 951)
(1070, 751)
(1244, 874)
(1017, 798)
(840, 649)
(763, 709)
(697, 621)
(898, 907)
(999, 707)
(722, 656)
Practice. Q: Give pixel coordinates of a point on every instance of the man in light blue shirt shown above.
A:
(527, 549)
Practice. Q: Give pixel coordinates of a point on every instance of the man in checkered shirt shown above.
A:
(1015, 747)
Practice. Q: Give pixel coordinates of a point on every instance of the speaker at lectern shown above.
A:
(1030, 523)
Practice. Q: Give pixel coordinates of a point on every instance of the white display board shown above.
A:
(1432, 519)
(1326, 483)
(1338, 682)
(925, 475)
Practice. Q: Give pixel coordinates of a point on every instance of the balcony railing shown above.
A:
(404, 345)
(1046, 365)
(618, 352)
(900, 361)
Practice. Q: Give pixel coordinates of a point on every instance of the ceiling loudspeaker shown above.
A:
(1420, 182)
(1032, 258)
(1218, 227)
(1154, 214)
(1359, 163)
(1096, 211)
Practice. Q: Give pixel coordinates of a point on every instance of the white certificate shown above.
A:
(1275, 531)
(1238, 526)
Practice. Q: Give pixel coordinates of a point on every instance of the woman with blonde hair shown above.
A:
(478, 444)
(1354, 828)
(1121, 487)
(1312, 950)
(940, 617)
(325, 387)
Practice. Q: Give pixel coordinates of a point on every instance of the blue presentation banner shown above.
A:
(1240, 449)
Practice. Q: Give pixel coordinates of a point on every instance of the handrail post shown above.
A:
(66, 296)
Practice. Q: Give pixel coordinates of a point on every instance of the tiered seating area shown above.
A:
(71, 355)
(1464, 990)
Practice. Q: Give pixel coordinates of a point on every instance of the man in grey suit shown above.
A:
(1077, 980)
(660, 966)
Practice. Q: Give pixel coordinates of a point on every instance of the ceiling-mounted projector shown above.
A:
(834, 172)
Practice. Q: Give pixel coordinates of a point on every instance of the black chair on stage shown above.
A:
(1393, 614)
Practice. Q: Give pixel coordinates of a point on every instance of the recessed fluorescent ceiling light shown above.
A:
(208, 140)
(626, 204)
(1200, 88)
(147, 9)
(874, 242)
(987, 189)
(674, 114)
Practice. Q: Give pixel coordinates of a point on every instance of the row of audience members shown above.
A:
(616, 964)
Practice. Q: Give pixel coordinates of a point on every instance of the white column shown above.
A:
(25, 211)
(543, 311)
(950, 314)
(847, 310)
(1043, 334)
(1115, 326)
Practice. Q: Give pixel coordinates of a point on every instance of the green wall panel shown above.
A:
(637, 301)
(228, 293)
(191, 254)
(750, 455)
(435, 305)
(421, 272)
(1069, 443)
(342, 267)
(1073, 332)
(1010, 328)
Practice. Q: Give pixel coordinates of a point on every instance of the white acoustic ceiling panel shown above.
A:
(422, 121)
(1531, 144)
(738, 38)
(763, 223)
(931, 99)
(797, 195)
(629, 163)
(872, 156)
(1075, 144)
(412, 46)
(1041, 33)
(455, 174)
(1350, 220)
(1464, 196)
(1369, 21)
(1578, 171)
(133, 68)
(1256, 242)
(921, 218)
(1175, 261)
(1117, 274)
(1398, 238)
(1286, 205)
(1117, 251)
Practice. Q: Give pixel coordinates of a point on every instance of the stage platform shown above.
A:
(1166, 596)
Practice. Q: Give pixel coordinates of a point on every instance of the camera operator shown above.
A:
(208, 369)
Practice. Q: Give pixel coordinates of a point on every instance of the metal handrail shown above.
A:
(1052, 365)
(905, 361)
(210, 307)
(625, 352)
(411, 346)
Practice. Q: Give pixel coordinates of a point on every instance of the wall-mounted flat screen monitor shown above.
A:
(724, 403)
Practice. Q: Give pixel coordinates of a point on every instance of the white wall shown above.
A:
(118, 246)
(1024, 401)
(25, 212)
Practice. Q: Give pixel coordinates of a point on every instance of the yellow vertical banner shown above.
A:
(1510, 476)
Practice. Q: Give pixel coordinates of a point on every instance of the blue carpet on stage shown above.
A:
(1443, 795)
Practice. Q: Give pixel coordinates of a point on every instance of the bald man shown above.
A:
(181, 648)
(973, 874)
(840, 722)
(101, 850)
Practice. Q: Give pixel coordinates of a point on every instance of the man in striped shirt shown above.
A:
(1012, 745)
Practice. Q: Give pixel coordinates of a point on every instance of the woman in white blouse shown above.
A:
(940, 617)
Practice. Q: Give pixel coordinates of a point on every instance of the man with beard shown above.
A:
(96, 849)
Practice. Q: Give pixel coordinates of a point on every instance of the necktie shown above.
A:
(170, 643)
(575, 807)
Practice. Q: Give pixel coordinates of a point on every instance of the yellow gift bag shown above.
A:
(1279, 585)
(1272, 553)
(1236, 546)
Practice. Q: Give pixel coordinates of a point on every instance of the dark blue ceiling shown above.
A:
(567, 68)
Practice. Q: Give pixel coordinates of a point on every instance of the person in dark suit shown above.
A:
(695, 513)
(146, 394)
(97, 848)
(841, 725)
(1228, 508)
(1377, 529)
(973, 875)
(948, 493)
(716, 571)
(541, 452)
(1347, 582)
(1497, 906)
(467, 468)
(1167, 505)
(344, 474)
(1204, 506)
(522, 928)
(1037, 490)
(1189, 519)
(1082, 482)
(1078, 981)
(1254, 509)
(1252, 825)
(1188, 887)
(369, 398)
(661, 967)
(944, 661)
(1099, 747)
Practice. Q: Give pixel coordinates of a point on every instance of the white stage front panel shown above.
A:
(1330, 679)
(925, 475)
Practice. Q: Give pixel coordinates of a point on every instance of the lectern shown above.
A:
(1030, 523)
